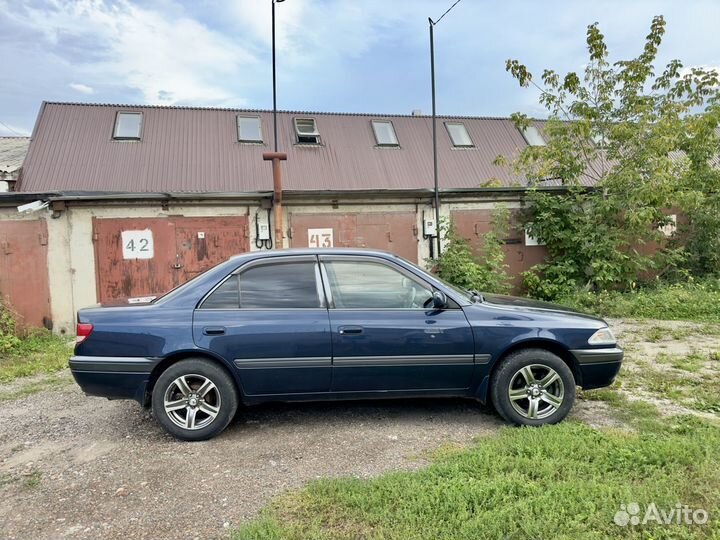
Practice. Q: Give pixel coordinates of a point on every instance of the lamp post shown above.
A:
(434, 123)
(274, 75)
(276, 157)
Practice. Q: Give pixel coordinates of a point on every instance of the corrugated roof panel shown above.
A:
(196, 150)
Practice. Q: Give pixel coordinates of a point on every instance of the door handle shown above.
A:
(350, 330)
(214, 330)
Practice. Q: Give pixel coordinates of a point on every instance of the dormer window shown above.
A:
(458, 135)
(384, 133)
(306, 131)
(128, 126)
(533, 136)
(249, 129)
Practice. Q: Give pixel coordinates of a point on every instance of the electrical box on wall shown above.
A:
(262, 225)
(429, 224)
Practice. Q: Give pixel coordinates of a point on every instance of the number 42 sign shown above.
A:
(320, 238)
(137, 244)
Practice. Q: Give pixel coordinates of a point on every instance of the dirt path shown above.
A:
(88, 468)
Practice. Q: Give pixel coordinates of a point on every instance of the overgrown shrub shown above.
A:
(459, 266)
(645, 139)
(9, 339)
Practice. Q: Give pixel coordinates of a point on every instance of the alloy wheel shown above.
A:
(192, 401)
(536, 391)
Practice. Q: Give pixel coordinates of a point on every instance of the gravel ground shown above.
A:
(86, 468)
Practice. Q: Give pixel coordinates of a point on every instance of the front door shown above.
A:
(270, 321)
(385, 334)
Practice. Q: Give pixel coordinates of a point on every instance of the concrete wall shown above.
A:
(71, 251)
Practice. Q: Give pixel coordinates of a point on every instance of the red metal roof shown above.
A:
(196, 150)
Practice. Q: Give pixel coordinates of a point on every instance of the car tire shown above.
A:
(194, 399)
(533, 387)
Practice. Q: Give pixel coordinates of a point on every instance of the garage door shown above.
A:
(137, 257)
(473, 224)
(24, 271)
(390, 231)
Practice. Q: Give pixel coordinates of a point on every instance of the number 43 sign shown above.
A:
(320, 238)
(138, 244)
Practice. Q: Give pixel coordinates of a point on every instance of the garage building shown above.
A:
(134, 200)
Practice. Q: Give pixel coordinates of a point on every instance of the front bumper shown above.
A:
(113, 377)
(598, 367)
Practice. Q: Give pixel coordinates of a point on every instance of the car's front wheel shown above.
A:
(533, 387)
(194, 399)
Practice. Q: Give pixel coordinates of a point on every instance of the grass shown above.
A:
(692, 301)
(40, 352)
(563, 481)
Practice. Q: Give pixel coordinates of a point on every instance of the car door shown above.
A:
(270, 320)
(384, 335)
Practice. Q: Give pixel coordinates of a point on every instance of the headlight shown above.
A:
(604, 336)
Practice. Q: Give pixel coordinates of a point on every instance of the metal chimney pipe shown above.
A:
(276, 158)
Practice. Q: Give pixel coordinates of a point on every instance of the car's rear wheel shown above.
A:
(194, 399)
(533, 387)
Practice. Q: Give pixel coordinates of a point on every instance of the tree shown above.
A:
(629, 146)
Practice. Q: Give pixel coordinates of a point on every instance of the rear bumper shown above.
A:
(598, 367)
(113, 377)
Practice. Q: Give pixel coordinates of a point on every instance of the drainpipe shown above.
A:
(276, 158)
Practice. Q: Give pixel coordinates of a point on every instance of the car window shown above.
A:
(279, 285)
(372, 285)
(226, 296)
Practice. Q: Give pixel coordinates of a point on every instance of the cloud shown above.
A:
(169, 57)
(82, 88)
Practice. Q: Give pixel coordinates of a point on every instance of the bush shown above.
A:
(459, 266)
(9, 339)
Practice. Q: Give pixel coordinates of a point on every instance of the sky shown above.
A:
(332, 55)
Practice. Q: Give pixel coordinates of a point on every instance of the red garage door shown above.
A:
(24, 271)
(136, 257)
(473, 224)
(390, 231)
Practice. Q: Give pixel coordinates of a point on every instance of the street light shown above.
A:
(273, 74)
(434, 123)
(276, 157)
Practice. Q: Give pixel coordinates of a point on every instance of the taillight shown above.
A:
(83, 332)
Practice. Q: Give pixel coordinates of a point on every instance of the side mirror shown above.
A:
(439, 300)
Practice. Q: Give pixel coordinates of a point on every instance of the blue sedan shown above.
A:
(312, 324)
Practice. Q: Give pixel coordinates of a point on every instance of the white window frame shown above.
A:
(452, 140)
(392, 129)
(260, 130)
(299, 134)
(118, 114)
(528, 133)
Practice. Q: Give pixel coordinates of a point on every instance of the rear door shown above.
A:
(270, 320)
(386, 337)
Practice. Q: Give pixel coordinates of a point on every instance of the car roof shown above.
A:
(313, 251)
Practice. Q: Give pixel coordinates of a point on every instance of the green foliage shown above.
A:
(459, 266)
(8, 329)
(40, 351)
(696, 301)
(569, 479)
(644, 141)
